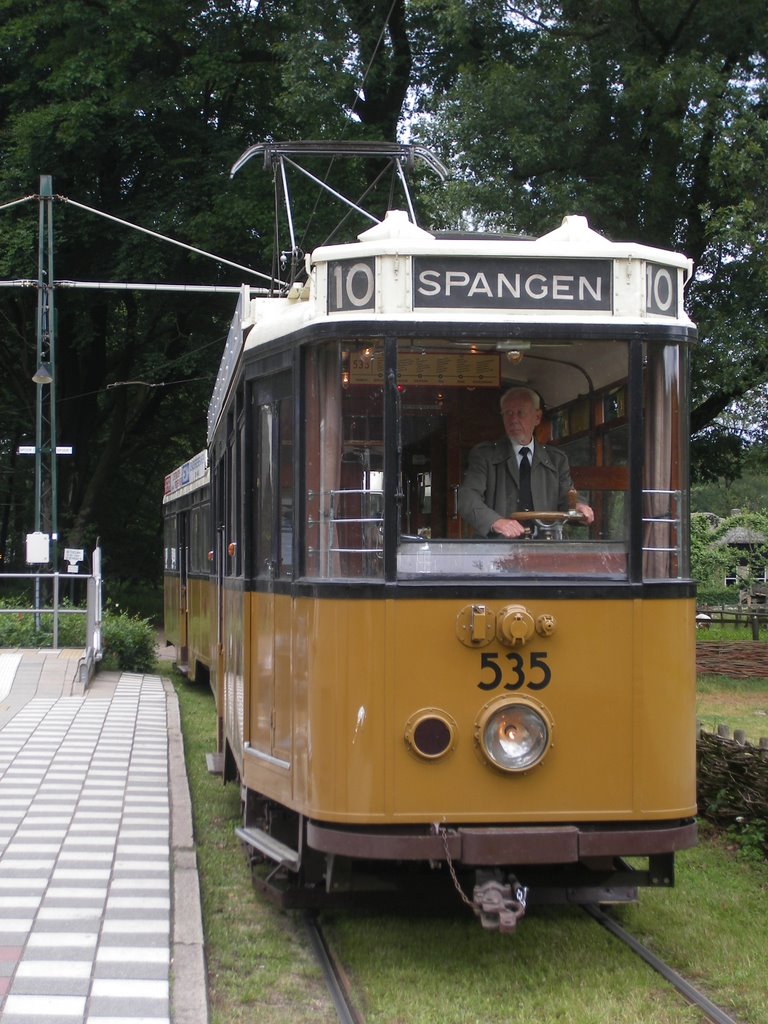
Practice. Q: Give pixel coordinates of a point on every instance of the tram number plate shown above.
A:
(513, 671)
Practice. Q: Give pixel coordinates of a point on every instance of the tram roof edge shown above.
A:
(397, 234)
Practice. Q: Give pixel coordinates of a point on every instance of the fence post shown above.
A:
(55, 610)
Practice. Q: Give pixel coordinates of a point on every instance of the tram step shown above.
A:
(215, 763)
(270, 847)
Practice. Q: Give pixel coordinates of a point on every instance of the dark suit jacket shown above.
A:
(489, 489)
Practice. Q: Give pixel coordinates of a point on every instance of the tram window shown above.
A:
(170, 533)
(235, 450)
(665, 471)
(285, 478)
(264, 483)
(344, 461)
(194, 540)
(199, 537)
(449, 404)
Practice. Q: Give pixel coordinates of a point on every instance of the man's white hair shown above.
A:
(520, 389)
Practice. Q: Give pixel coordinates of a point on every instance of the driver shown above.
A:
(495, 483)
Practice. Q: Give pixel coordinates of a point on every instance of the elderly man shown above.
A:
(515, 474)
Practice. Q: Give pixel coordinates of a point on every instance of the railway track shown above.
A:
(347, 1013)
(693, 995)
(332, 972)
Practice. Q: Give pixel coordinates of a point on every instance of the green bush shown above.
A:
(714, 597)
(19, 629)
(128, 642)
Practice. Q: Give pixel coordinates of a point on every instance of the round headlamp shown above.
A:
(514, 735)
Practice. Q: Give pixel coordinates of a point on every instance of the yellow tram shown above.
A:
(391, 686)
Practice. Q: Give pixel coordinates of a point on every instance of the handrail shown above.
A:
(92, 610)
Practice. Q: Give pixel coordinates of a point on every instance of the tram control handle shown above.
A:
(552, 522)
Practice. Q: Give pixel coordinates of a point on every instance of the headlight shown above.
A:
(514, 734)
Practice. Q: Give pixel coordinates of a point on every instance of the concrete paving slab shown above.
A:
(100, 913)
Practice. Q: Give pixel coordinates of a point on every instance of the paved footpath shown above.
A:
(99, 894)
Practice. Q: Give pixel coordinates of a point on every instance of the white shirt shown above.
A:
(517, 448)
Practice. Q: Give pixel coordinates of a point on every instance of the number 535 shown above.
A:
(532, 673)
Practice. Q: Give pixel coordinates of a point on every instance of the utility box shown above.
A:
(38, 548)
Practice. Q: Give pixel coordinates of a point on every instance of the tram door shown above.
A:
(271, 693)
(425, 509)
(438, 427)
(182, 539)
(230, 598)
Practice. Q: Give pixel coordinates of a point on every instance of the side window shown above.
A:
(194, 540)
(665, 471)
(264, 492)
(344, 468)
(285, 484)
(199, 538)
(233, 509)
(170, 543)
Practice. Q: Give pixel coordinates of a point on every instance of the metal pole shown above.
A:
(39, 360)
(45, 441)
(48, 193)
(39, 394)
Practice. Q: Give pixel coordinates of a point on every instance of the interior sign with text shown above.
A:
(488, 283)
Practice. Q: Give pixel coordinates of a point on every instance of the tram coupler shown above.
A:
(499, 904)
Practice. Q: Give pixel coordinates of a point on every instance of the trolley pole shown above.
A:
(45, 376)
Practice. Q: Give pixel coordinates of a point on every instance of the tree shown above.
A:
(648, 116)
(733, 548)
(143, 123)
(709, 562)
(139, 111)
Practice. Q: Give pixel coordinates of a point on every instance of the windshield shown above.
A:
(464, 414)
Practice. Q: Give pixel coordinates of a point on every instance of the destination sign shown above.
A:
(439, 369)
(512, 283)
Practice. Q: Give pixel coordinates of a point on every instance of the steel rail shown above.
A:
(693, 995)
(341, 1001)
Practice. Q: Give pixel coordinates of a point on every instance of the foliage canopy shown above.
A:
(649, 117)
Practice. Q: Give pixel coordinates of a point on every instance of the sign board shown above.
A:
(440, 369)
(189, 473)
(539, 283)
(38, 548)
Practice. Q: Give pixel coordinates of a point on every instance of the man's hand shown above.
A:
(509, 528)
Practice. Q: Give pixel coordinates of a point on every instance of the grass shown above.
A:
(727, 634)
(737, 703)
(560, 968)
(563, 967)
(259, 963)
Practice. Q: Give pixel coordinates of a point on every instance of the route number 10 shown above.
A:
(351, 285)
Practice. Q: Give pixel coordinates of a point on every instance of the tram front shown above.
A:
(509, 697)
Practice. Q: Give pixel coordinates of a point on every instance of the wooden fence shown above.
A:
(731, 778)
(741, 659)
